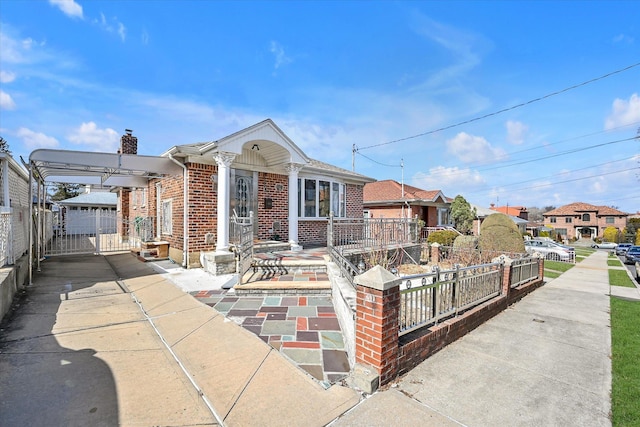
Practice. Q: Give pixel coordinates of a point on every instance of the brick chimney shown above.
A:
(128, 143)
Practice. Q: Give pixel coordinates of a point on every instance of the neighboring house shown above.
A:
(391, 199)
(584, 221)
(258, 170)
(70, 217)
(482, 213)
(516, 211)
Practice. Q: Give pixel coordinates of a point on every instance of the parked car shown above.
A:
(550, 250)
(604, 245)
(633, 255)
(622, 248)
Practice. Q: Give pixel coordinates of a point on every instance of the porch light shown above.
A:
(255, 147)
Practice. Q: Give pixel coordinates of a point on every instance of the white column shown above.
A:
(223, 160)
(293, 170)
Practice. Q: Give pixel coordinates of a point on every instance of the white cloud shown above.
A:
(470, 148)
(145, 37)
(623, 112)
(122, 31)
(6, 102)
(516, 131)
(449, 179)
(68, 7)
(623, 38)
(6, 76)
(112, 26)
(33, 140)
(105, 140)
(465, 47)
(278, 52)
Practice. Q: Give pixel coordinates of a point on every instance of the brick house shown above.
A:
(391, 199)
(257, 170)
(584, 221)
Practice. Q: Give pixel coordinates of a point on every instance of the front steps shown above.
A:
(280, 275)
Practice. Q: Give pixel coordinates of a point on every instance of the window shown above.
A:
(586, 217)
(561, 231)
(568, 220)
(167, 210)
(309, 198)
(319, 198)
(553, 219)
(610, 220)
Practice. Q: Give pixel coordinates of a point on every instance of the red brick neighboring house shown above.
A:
(391, 199)
(517, 211)
(258, 169)
(584, 221)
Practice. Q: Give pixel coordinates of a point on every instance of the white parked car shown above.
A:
(604, 245)
(550, 250)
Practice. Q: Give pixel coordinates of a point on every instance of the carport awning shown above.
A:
(106, 169)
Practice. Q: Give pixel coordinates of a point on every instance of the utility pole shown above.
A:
(353, 158)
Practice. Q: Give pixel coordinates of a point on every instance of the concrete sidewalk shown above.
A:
(543, 362)
(86, 348)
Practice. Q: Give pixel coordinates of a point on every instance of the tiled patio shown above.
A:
(303, 328)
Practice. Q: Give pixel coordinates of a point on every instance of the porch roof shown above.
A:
(265, 147)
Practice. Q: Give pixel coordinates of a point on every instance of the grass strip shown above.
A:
(620, 278)
(614, 263)
(548, 274)
(557, 265)
(625, 348)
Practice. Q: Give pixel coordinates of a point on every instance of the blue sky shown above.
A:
(75, 74)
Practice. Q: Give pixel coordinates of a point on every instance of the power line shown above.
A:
(513, 107)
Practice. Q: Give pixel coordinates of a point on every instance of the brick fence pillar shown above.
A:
(377, 311)
(435, 253)
(506, 272)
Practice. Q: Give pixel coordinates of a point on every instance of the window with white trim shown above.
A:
(167, 210)
(317, 198)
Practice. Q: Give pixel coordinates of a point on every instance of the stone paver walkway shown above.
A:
(303, 328)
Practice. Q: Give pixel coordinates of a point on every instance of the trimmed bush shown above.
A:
(443, 237)
(466, 242)
(498, 233)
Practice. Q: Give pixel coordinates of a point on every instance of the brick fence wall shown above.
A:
(378, 344)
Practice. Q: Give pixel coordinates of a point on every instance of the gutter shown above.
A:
(185, 226)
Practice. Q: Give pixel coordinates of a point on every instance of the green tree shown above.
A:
(65, 191)
(4, 146)
(610, 234)
(631, 230)
(462, 214)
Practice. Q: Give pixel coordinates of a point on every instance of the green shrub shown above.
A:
(443, 237)
(498, 233)
(466, 242)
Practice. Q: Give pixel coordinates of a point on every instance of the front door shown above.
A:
(245, 195)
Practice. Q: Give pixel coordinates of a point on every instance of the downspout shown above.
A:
(185, 215)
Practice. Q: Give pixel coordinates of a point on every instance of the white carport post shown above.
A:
(293, 169)
(224, 161)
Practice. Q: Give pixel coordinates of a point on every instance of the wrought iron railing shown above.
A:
(349, 239)
(241, 237)
(426, 299)
(524, 270)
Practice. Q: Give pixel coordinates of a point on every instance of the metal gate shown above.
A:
(95, 231)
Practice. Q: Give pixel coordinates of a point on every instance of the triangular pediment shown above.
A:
(264, 139)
